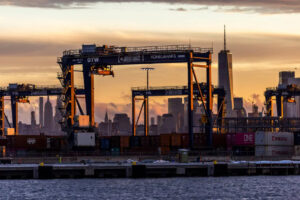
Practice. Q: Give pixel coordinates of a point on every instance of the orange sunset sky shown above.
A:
(263, 36)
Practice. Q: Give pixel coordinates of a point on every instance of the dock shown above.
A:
(147, 170)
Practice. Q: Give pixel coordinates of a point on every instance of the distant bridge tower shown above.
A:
(225, 76)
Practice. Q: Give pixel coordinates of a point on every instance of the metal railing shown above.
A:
(142, 49)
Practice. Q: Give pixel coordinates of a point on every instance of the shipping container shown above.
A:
(297, 138)
(155, 140)
(165, 140)
(244, 139)
(115, 151)
(200, 140)
(145, 141)
(3, 141)
(9, 131)
(274, 150)
(124, 141)
(230, 140)
(175, 140)
(274, 138)
(219, 141)
(297, 150)
(105, 143)
(243, 150)
(84, 139)
(164, 150)
(27, 142)
(115, 141)
(82, 121)
(185, 140)
(89, 48)
(135, 141)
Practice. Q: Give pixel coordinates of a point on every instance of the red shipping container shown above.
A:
(230, 141)
(185, 140)
(145, 141)
(175, 140)
(219, 140)
(165, 140)
(244, 139)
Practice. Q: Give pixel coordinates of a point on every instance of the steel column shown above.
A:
(279, 104)
(89, 93)
(190, 100)
(269, 106)
(14, 110)
(146, 120)
(209, 124)
(133, 116)
(2, 116)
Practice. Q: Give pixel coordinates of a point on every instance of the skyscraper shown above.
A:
(176, 108)
(41, 112)
(48, 123)
(33, 121)
(225, 75)
(284, 77)
(57, 116)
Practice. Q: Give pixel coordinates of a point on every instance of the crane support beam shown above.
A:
(2, 116)
(88, 77)
(14, 110)
(209, 124)
(190, 100)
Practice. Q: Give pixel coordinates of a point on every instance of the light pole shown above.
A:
(146, 102)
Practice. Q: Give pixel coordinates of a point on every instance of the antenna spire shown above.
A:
(224, 38)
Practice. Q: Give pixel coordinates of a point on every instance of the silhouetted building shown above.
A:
(105, 128)
(255, 112)
(239, 110)
(48, 117)
(33, 121)
(168, 124)
(152, 121)
(41, 111)
(225, 76)
(176, 108)
(122, 123)
(57, 117)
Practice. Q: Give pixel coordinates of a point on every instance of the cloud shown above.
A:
(178, 9)
(257, 6)
(255, 99)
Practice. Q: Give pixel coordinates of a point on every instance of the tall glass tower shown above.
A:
(225, 76)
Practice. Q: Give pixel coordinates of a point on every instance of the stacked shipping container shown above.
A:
(274, 143)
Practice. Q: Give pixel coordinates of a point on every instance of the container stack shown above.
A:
(274, 143)
(297, 144)
(241, 144)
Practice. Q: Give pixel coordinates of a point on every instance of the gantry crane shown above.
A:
(19, 93)
(140, 93)
(100, 59)
(282, 94)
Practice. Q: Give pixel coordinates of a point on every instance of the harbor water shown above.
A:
(254, 187)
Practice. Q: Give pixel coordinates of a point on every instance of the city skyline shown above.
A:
(253, 43)
(30, 57)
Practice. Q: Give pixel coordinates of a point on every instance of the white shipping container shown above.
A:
(274, 138)
(84, 139)
(9, 131)
(274, 150)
